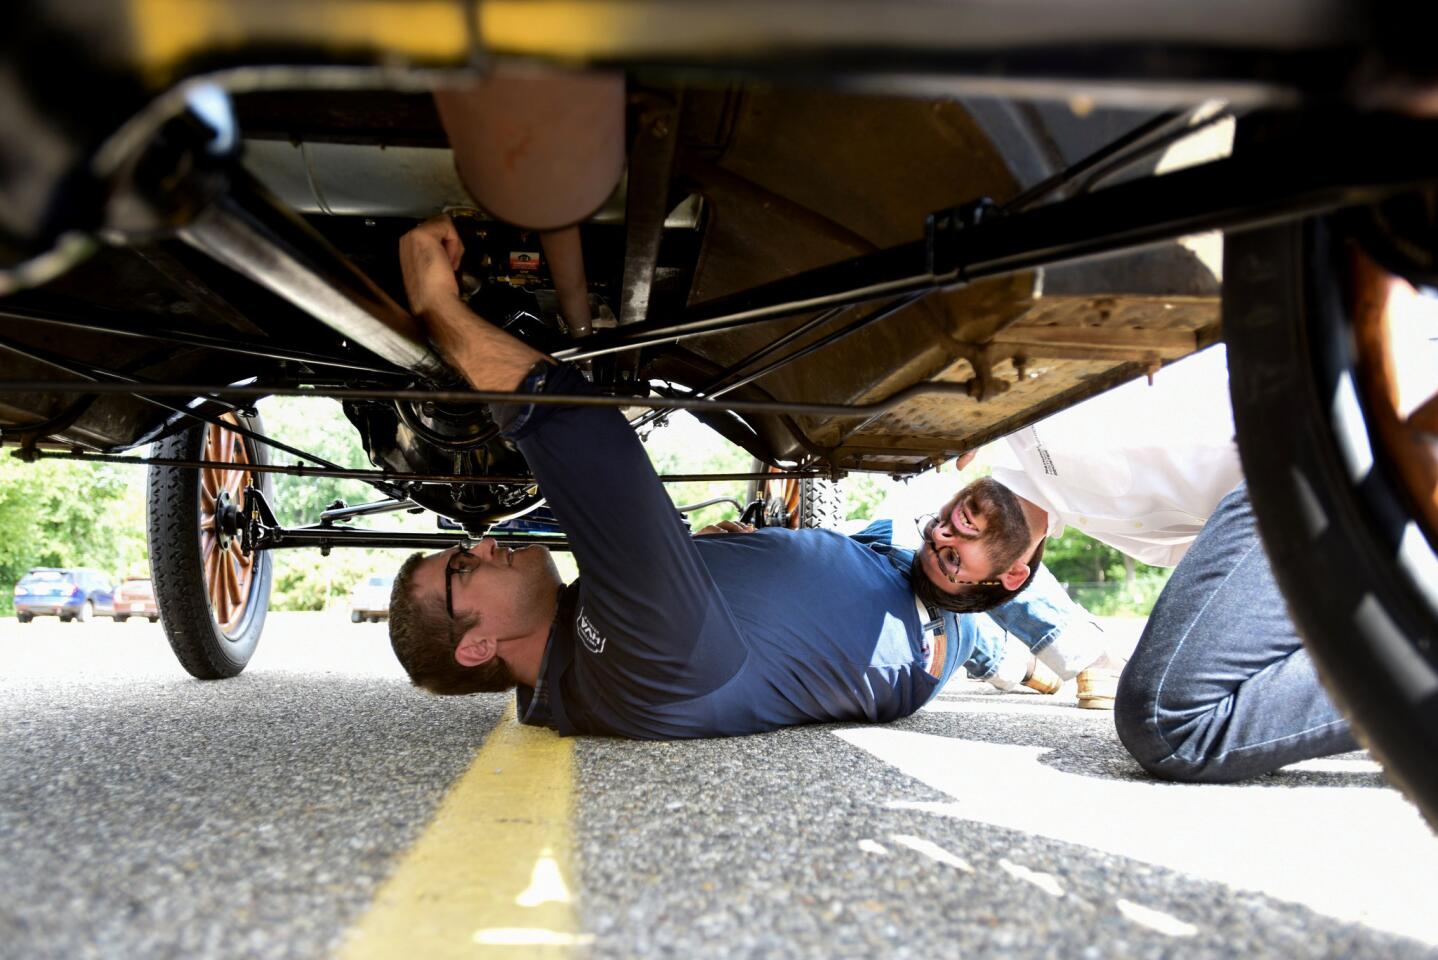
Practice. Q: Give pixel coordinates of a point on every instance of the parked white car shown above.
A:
(369, 600)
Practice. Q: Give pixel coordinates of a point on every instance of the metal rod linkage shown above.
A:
(387, 476)
(186, 338)
(713, 501)
(367, 510)
(138, 389)
(118, 382)
(872, 317)
(328, 538)
(736, 370)
(209, 391)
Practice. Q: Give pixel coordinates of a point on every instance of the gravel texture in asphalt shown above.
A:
(797, 844)
(144, 814)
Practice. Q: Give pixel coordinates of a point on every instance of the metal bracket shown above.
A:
(943, 235)
(259, 524)
(985, 385)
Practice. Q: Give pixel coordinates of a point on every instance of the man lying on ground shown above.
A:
(665, 635)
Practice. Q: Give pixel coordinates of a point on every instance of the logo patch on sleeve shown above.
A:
(593, 639)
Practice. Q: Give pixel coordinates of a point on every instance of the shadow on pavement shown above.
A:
(1083, 742)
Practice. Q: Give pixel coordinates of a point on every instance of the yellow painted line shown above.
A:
(490, 876)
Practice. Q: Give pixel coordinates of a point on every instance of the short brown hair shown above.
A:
(419, 632)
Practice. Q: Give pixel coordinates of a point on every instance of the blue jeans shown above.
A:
(1220, 687)
(1042, 617)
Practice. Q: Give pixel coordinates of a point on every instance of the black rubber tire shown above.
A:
(1332, 528)
(177, 567)
(154, 619)
(67, 619)
(820, 502)
(356, 617)
(24, 617)
(120, 619)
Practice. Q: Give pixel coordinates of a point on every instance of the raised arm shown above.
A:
(486, 356)
(637, 560)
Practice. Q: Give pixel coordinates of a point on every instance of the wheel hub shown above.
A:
(227, 519)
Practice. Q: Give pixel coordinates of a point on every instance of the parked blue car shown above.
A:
(70, 594)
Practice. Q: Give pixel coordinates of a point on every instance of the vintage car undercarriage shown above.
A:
(845, 235)
(732, 202)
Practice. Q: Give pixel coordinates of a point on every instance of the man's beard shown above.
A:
(1006, 531)
(537, 591)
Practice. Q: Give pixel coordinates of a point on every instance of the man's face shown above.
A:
(500, 592)
(971, 535)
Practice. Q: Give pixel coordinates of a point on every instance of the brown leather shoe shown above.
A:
(1041, 678)
(1097, 688)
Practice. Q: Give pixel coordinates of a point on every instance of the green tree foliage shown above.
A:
(1075, 557)
(1102, 579)
(59, 514)
(1133, 598)
(320, 427)
(304, 580)
(863, 493)
(685, 445)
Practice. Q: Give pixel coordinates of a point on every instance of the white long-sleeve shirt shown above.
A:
(1140, 468)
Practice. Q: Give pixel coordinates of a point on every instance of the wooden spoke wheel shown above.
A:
(1393, 327)
(1333, 379)
(228, 569)
(213, 596)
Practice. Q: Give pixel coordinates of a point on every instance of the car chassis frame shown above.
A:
(1327, 57)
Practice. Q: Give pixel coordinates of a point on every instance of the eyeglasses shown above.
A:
(948, 557)
(461, 561)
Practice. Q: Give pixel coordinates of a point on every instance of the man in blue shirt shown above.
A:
(665, 635)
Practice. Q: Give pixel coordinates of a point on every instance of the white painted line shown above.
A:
(546, 883)
(530, 937)
(1381, 875)
(1156, 919)
(1044, 881)
(931, 850)
(874, 847)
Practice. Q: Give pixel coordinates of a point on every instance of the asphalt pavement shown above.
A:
(145, 814)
